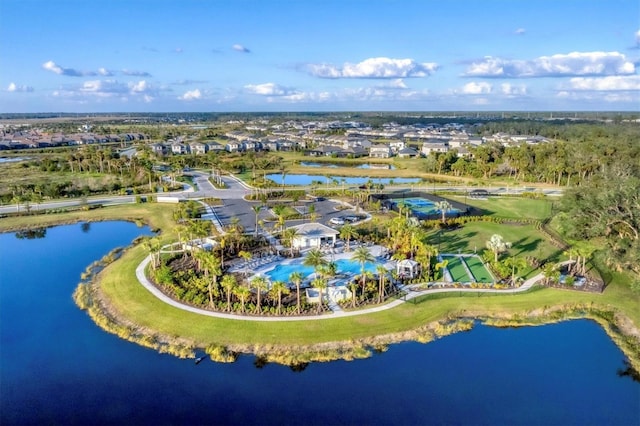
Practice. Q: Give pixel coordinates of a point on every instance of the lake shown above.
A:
(58, 367)
(309, 179)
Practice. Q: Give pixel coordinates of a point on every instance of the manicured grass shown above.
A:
(478, 269)
(473, 237)
(456, 269)
(511, 207)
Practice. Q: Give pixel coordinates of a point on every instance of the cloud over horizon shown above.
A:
(381, 67)
(269, 89)
(191, 95)
(19, 88)
(69, 72)
(571, 64)
(240, 48)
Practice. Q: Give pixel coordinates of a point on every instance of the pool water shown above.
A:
(283, 271)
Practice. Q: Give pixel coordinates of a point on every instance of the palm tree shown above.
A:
(497, 245)
(256, 210)
(320, 284)
(443, 206)
(314, 258)
(153, 245)
(247, 257)
(353, 287)
(517, 264)
(279, 288)
(259, 283)
(550, 273)
(346, 233)
(362, 255)
(382, 273)
(229, 284)
(211, 264)
(242, 293)
(296, 278)
(288, 236)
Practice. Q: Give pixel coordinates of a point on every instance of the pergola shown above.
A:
(408, 268)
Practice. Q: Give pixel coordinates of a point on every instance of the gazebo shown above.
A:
(408, 268)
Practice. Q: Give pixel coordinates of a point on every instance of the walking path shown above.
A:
(337, 311)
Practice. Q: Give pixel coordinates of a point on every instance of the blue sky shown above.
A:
(318, 55)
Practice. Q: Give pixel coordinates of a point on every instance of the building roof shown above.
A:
(314, 229)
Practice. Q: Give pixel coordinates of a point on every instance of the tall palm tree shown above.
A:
(288, 236)
(362, 255)
(211, 263)
(256, 210)
(320, 284)
(517, 264)
(296, 278)
(443, 206)
(382, 273)
(314, 258)
(346, 233)
(497, 245)
(229, 284)
(260, 284)
(242, 293)
(353, 287)
(247, 257)
(153, 245)
(278, 288)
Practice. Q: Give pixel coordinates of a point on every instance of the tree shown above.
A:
(320, 284)
(550, 273)
(362, 255)
(247, 257)
(314, 258)
(444, 206)
(296, 279)
(382, 273)
(211, 264)
(153, 245)
(229, 284)
(517, 264)
(497, 245)
(278, 288)
(288, 236)
(256, 210)
(242, 293)
(259, 283)
(346, 233)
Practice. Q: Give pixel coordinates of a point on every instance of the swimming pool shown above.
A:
(283, 271)
(422, 207)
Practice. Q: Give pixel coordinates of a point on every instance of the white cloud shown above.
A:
(240, 48)
(611, 83)
(509, 89)
(18, 88)
(105, 72)
(397, 84)
(70, 72)
(136, 73)
(572, 64)
(374, 68)
(191, 95)
(474, 88)
(520, 31)
(269, 89)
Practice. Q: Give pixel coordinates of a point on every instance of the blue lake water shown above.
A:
(57, 367)
(309, 179)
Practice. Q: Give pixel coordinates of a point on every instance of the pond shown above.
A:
(340, 165)
(58, 367)
(310, 179)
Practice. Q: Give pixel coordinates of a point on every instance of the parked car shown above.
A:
(336, 221)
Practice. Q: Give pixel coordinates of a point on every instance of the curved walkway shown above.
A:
(335, 314)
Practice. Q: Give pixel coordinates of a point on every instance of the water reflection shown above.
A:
(31, 234)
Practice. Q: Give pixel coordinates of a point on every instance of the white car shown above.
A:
(336, 221)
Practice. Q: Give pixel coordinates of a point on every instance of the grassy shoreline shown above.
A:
(130, 311)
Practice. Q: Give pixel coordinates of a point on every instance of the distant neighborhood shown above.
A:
(338, 139)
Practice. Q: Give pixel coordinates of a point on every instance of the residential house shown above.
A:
(198, 148)
(408, 152)
(434, 147)
(380, 151)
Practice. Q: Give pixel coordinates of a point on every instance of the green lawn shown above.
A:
(511, 207)
(473, 237)
(478, 269)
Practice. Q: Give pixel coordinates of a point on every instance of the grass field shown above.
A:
(456, 269)
(511, 207)
(472, 238)
(478, 269)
